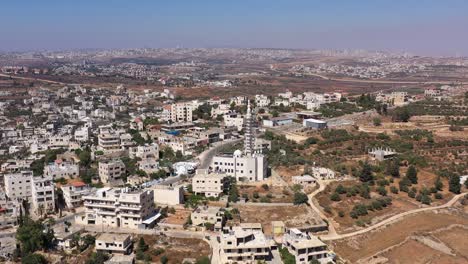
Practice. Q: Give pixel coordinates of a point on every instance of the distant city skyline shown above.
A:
(426, 27)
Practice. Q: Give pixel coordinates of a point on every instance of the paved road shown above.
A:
(392, 219)
(30, 78)
(206, 156)
(377, 81)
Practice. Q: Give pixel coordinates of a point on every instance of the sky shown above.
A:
(424, 27)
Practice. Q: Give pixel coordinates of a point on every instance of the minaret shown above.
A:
(249, 131)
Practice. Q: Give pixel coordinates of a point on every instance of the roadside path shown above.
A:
(30, 79)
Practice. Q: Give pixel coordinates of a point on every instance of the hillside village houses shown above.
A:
(82, 144)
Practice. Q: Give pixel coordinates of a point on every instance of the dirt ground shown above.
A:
(397, 243)
(432, 123)
(288, 172)
(177, 249)
(179, 218)
(278, 194)
(292, 216)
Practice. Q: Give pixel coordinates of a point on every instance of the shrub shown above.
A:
(340, 189)
(335, 197)
(341, 214)
(394, 189)
(382, 191)
(411, 194)
(438, 196)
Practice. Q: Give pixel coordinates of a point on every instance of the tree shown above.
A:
(425, 199)
(85, 158)
(366, 173)
(34, 259)
(164, 259)
(401, 114)
(97, 258)
(300, 198)
(377, 121)
(233, 192)
(454, 184)
(142, 245)
(393, 168)
(203, 260)
(412, 174)
(382, 191)
(33, 235)
(335, 197)
(340, 189)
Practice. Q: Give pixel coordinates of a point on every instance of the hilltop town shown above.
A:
(232, 156)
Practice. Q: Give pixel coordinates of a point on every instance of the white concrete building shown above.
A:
(82, 134)
(111, 171)
(43, 194)
(233, 119)
(73, 193)
(149, 165)
(18, 185)
(60, 169)
(304, 247)
(208, 215)
(209, 184)
(182, 112)
(243, 245)
(108, 140)
(146, 151)
(168, 195)
(305, 180)
(262, 100)
(242, 167)
(118, 207)
(120, 244)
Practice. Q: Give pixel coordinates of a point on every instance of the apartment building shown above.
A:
(149, 165)
(304, 247)
(61, 169)
(73, 193)
(244, 245)
(119, 207)
(43, 194)
(262, 100)
(82, 134)
(233, 119)
(146, 151)
(182, 112)
(18, 185)
(212, 215)
(110, 171)
(10, 211)
(59, 141)
(120, 244)
(209, 184)
(109, 140)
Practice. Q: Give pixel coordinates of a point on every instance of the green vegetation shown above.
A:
(286, 257)
(33, 235)
(454, 184)
(300, 198)
(97, 258)
(412, 174)
(366, 173)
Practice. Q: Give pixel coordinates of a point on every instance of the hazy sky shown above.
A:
(435, 27)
